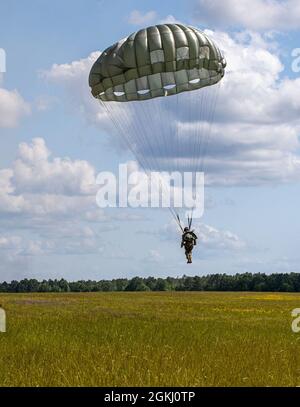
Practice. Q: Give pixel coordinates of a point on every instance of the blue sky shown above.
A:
(53, 144)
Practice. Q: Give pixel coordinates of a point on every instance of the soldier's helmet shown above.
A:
(186, 229)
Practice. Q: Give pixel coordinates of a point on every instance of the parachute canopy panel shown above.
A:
(161, 60)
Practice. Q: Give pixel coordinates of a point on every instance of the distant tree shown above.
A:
(64, 285)
(150, 282)
(120, 284)
(161, 285)
(137, 284)
(213, 282)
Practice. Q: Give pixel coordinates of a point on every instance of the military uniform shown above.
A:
(188, 241)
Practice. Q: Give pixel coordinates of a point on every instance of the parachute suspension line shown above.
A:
(197, 130)
(214, 103)
(201, 129)
(168, 131)
(162, 116)
(118, 128)
(159, 107)
(172, 148)
(137, 132)
(176, 143)
(171, 153)
(161, 136)
(144, 116)
(192, 136)
(141, 131)
(179, 223)
(150, 155)
(203, 125)
(122, 130)
(212, 109)
(157, 118)
(143, 127)
(190, 219)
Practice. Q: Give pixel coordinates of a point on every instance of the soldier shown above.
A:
(188, 241)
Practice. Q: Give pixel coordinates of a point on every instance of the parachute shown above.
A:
(159, 88)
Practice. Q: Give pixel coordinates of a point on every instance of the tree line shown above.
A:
(213, 282)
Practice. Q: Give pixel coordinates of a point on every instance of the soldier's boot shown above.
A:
(190, 258)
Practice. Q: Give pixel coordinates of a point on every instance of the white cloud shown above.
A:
(12, 108)
(67, 72)
(170, 19)
(209, 237)
(215, 239)
(44, 103)
(9, 242)
(153, 256)
(151, 17)
(256, 134)
(35, 171)
(17, 245)
(75, 241)
(48, 208)
(74, 78)
(256, 15)
(136, 17)
(38, 184)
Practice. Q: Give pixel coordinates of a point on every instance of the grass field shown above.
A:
(149, 339)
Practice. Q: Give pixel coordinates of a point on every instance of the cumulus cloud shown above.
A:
(38, 184)
(215, 239)
(12, 108)
(13, 245)
(142, 19)
(76, 242)
(44, 204)
(209, 237)
(170, 19)
(35, 171)
(136, 17)
(153, 257)
(48, 208)
(73, 78)
(255, 139)
(9, 242)
(255, 15)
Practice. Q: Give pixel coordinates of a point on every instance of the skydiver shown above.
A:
(188, 241)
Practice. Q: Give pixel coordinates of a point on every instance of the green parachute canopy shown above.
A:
(161, 60)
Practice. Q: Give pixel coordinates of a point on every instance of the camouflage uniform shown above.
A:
(189, 240)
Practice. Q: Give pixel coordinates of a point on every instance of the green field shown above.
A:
(150, 339)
